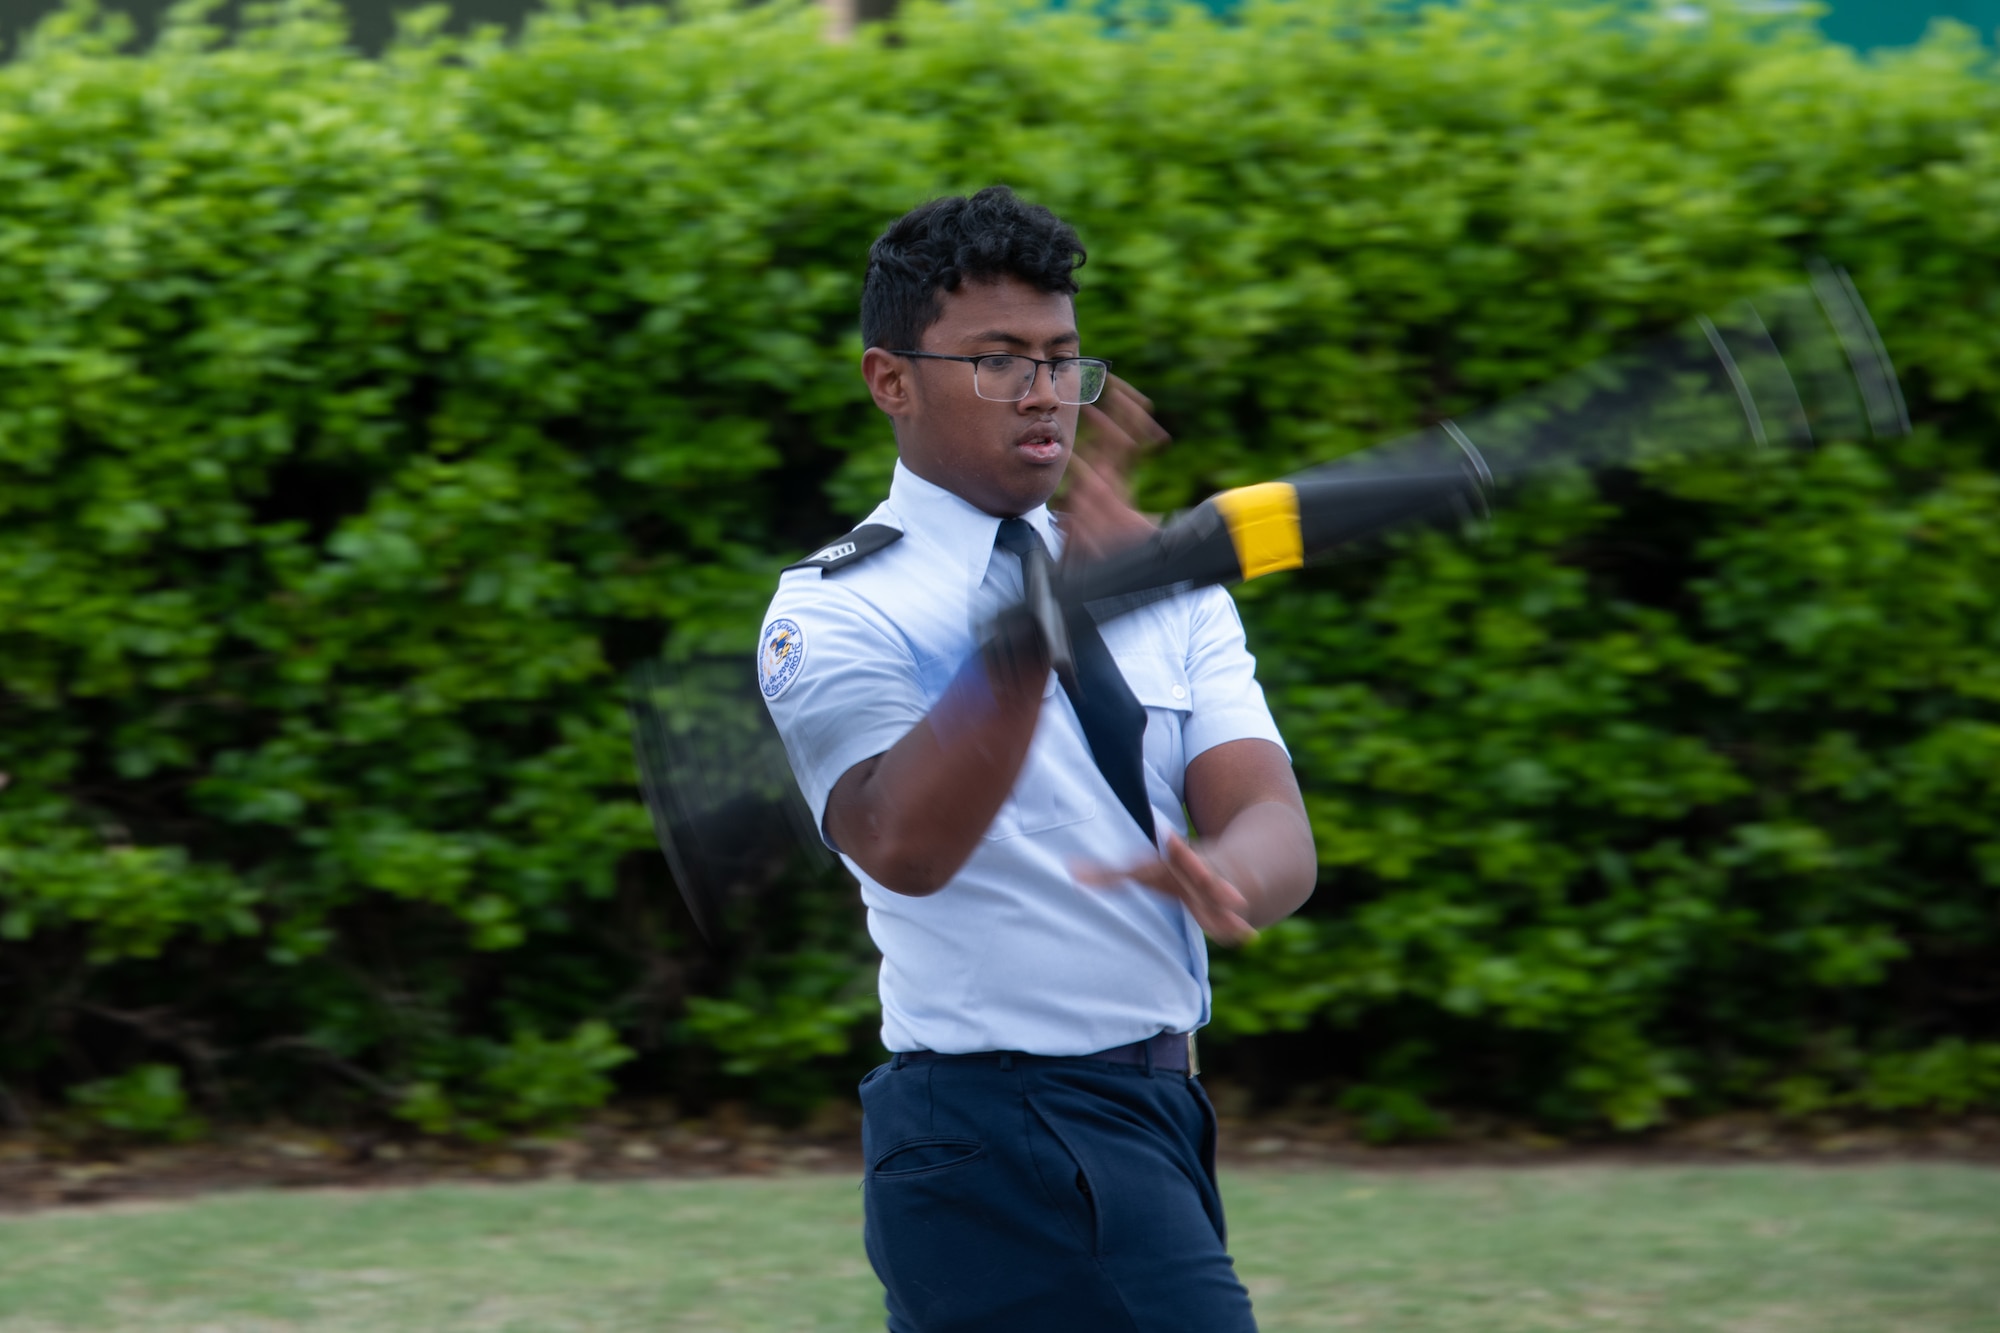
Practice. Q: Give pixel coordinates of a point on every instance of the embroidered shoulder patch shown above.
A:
(780, 655)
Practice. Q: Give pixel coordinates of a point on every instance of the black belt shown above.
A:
(1170, 1051)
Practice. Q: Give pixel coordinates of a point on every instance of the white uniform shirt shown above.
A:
(1012, 954)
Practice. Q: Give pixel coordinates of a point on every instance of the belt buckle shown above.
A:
(1193, 1060)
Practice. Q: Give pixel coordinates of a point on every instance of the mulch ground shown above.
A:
(50, 1170)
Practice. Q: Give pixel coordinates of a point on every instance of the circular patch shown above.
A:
(780, 656)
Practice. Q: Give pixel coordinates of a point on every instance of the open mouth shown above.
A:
(1043, 446)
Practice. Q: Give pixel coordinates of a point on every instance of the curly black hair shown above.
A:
(938, 245)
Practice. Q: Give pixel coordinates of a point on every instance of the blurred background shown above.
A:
(1863, 24)
(366, 414)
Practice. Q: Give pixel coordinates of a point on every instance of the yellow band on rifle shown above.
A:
(1264, 524)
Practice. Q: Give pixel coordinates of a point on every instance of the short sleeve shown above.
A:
(1222, 680)
(840, 685)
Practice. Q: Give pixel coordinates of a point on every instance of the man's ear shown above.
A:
(888, 380)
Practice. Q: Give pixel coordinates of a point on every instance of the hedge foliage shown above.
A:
(361, 420)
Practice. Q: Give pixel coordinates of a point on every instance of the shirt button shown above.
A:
(1180, 691)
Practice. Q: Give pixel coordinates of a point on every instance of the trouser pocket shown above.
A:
(1065, 1181)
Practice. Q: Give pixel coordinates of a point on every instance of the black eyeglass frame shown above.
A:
(1051, 363)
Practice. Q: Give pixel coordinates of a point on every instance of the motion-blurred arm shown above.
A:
(1256, 863)
(911, 816)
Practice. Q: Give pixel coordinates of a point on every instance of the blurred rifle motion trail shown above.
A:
(1793, 364)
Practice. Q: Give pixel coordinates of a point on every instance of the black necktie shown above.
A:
(1114, 721)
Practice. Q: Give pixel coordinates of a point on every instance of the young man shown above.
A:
(1040, 1154)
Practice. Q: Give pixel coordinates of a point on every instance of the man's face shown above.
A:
(1006, 458)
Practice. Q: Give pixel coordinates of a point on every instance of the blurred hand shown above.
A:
(1112, 433)
(1188, 876)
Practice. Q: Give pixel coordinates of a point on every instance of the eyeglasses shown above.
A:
(1002, 377)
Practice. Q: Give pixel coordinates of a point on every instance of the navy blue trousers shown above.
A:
(1023, 1194)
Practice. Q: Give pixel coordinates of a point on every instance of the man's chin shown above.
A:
(1037, 482)
(1021, 483)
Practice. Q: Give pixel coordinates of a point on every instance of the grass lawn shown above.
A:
(1878, 1249)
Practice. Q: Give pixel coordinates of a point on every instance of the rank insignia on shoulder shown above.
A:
(855, 547)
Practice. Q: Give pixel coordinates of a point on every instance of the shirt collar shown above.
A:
(956, 527)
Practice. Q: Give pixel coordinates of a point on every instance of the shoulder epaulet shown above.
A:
(852, 549)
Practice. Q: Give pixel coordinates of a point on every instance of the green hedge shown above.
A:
(360, 421)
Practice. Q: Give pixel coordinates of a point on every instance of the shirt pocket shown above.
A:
(1044, 805)
(1161, 683)
(1040, 801)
